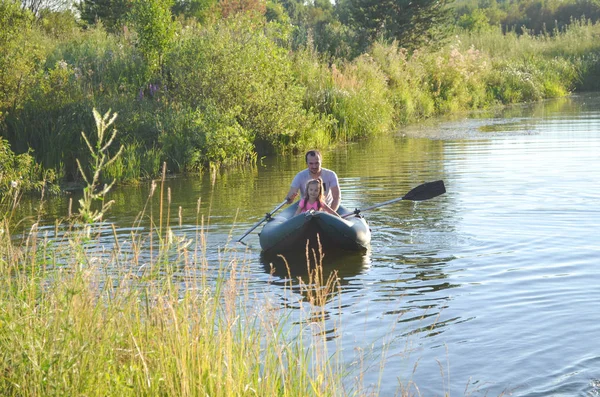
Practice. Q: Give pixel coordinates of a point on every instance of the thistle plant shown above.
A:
(100, 160)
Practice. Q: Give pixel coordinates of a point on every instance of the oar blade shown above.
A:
(426, 191)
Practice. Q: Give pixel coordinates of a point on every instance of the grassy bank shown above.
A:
(149, 315)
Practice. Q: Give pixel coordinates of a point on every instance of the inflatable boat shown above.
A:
(285, 232)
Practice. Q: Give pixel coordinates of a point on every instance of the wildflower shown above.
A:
(152, 88)
(141, 94)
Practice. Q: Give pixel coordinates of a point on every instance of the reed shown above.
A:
(83, 316)
(148, 313)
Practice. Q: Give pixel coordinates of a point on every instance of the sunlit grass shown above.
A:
(80, 317)
(147, 314)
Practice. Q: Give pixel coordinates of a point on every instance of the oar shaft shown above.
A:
(252, 228)
(382, 204)
(422, 192)
(262, 220)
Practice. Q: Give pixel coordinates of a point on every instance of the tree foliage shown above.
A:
(19, 55)
(155, 27)
(410, 22)
(531, 16)
(37, 6)
(201, 10)
(110, 12)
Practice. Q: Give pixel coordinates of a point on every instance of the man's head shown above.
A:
(313, 162)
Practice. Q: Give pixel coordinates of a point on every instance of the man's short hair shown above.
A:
(312, 153)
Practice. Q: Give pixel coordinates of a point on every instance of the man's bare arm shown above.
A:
(337, 196)
(291, 195)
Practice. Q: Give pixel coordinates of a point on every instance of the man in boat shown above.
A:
(314, 171)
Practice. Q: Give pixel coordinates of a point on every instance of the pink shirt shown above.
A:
(314, 206)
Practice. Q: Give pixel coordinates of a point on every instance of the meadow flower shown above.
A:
(152, 88)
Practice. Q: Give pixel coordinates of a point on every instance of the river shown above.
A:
(488, 289)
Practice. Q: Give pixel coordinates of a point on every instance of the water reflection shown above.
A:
(298, 264)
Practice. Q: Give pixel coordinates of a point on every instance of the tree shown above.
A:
(35, 6)
(19, 56)
(110, 12)
(199, 9)
(155, 27)
(229, 8)
(410, 22)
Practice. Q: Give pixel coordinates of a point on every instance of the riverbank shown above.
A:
(99, 321)
(230, 92)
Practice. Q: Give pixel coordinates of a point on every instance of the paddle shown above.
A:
(267, 216)
(422, 192)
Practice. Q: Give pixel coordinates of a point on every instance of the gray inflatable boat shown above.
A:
(284, 233)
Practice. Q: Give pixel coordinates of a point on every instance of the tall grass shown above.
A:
(84, 321)
(149, 315)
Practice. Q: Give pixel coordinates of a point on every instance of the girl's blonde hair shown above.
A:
(320, 197)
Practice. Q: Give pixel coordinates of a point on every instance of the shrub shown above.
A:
(407, 81)
(236, 64)
(20, 172)
(20, 56)
(207, 135)
(360, 99)
(352, 96)
(155, 29)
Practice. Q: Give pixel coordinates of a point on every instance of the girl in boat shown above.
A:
(314, 199)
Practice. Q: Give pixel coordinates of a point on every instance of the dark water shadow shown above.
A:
(346, 264)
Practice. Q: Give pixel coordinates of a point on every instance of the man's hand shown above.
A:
(290, 198)
(291, 195)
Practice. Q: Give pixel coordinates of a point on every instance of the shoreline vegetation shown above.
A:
(235, 87)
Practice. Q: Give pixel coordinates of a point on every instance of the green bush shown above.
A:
(19, 172)
(225, 140)
(236, 64)
(52, 118)
(352, 97)
(20, 56)
(155, 30)
(407, 81)
(456, 78)
(192, 139)
(360, 99)
(104, 64)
